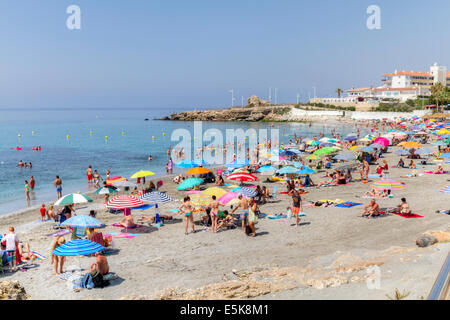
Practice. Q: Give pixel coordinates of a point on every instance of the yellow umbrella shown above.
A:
(443, 131)
(200, 199)
(410, 144)
(215, 191)
(313, 157)
(198, 170)
(142, 174)
(351, 148)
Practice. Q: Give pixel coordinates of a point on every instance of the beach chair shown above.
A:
(274, 193)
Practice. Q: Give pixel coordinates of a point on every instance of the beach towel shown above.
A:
(129, 227)
(374, 176)
(408, 216)
(122, 235)
(277, 217)
(348, 204)
(432, 172)
(39, 257)
(59, 233)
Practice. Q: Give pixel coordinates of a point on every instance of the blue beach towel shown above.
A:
(348, 205)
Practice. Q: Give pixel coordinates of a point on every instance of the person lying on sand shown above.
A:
(372, 209)
(403, 208)
(25, 251)
(127, 221)
(439, 170)
(331, 181)
(374, 193)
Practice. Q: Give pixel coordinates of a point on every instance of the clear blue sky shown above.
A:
(169, 53)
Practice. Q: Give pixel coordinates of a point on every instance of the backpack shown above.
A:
(97, 279)
(87, 281)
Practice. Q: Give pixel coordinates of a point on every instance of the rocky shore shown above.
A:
(257, 110)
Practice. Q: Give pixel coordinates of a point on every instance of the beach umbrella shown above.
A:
(422, 133)
(445, 190)
(288, 153)
(382, 141)
(423, 150)
(447, 141)
(215, 191)
(298, 164)
(288, 170)
(324, 151)
(82, 221)
(324, 139)
(297, 152)
(190, 183)
(72, 199)
(78, 247)
(365, 140)
(410, 144)
(266, 168)
(142, 174)
(106, 190)
(445, 155)
(191, 163)
(242, 177)
(327, 144)
(345, 156)
(156, 197)
(113, 180)
(363, 149)
(351, 138)
(443, 131)
(306, 170)
(439, 143)
(313, 143)
(124, 202)
(402, 152)
(246, 192)
(228, 198)
(198, 170)
(352, 135)
(376, 146)
(240, 170)
(200, 199)
(313, 157)
(387, 184)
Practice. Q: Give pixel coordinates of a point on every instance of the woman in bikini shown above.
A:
(55, 259)
(27, 191)
(187, 208)
(214, 205)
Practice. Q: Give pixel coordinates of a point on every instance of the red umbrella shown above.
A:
(242, 176)
(123, 202)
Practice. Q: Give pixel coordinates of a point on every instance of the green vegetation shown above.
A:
(324, 106)
(398, 295)
(282, 111)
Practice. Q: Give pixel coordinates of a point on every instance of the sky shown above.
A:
(168, 53)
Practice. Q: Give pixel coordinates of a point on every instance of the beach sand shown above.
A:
(327, 257)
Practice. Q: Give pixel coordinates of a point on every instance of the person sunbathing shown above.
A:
(127, 222)
(439, 170)
(228, 221)
(412, 165)
(403, 208)
(25, 251)
(177, 179)
(220, 181)
(400, 163)
(372, 209)
(101, 265)
(330, 182)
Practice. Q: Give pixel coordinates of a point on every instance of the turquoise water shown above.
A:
(69, 158)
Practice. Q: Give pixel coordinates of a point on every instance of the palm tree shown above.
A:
(437, 93)
(339, 91)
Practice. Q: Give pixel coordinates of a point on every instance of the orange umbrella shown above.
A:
(410, 144)
(198, 170)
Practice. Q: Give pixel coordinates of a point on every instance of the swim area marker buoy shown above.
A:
(67, 137)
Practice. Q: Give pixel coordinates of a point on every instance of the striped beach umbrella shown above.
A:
(190, 183)
(246, 192)
(123, 202)
(78, 247)
(228, 198)
(191, 163)
(445, 190)
(387, 184)
(242, 177)
(156, 197)
(115, 179)
(410, 144)
(82, 221)
(72, 198)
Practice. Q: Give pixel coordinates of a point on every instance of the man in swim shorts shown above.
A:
(90, 176)
(243, 204)
(58, 185)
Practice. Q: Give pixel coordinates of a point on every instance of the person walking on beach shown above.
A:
(296, 205)
(243, 204)
(27, 191)
(58, 185)
(187, 208)
(170, 166)
(11, 246)
(90, 175)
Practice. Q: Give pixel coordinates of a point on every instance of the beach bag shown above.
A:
(87, 281)
(98, 280)
(248, 230)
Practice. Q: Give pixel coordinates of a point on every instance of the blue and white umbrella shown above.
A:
(297, 152)
(288, 170)
(246, 192)
(345, 156)
(445, 190)
(351, 138)
(306, 170)
(78, 247)
(156, 197)
(287, 153)
(82, 221)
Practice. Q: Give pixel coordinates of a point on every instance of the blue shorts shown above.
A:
(243, 215)
(59, 189)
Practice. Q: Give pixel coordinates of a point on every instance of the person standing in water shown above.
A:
(32, 183)
(27, 191)
(90, 175)
(58, 185)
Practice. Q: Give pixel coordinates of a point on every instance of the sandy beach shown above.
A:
(326, 257)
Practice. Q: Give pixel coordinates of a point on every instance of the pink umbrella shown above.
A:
(227, 197)
(123, 202)
(383, 141)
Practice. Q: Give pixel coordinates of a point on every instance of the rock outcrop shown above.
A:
(256, 102)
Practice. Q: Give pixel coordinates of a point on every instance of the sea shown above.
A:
(116, 139)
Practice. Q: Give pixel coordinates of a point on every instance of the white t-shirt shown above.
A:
(11, 239)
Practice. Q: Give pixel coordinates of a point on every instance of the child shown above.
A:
(11, 246)
(43, 212)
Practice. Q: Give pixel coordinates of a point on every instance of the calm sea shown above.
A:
(73, 139)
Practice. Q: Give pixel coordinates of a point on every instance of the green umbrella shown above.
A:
(190, 183)
(105, 190)
(73, 198)
(326, 150)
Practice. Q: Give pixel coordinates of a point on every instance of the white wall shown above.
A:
(389, 115)
(298, 113)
